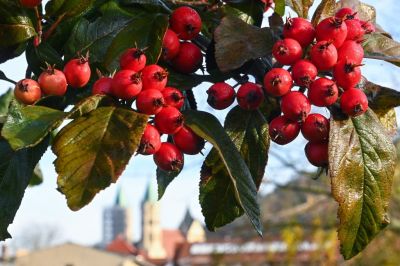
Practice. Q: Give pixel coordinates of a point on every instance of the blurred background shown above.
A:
(125, 225)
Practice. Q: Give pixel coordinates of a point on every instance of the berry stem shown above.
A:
(38, 25)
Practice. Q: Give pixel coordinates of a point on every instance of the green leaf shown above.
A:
(93, 150)
(361, 166)
(29, 125)
(280, 7)
(245, 191)
(327, 8)
(16, 170)
(37, 57)
(301, 7)
(37, 177)
(253, 9)
(164, 179)
(68, 8)
(380, 47)
(5, 101)
(237, 42)
(89, 104)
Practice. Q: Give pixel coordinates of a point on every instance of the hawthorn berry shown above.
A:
(295, 106)
(304, 73)
(154, 77)
(315, 128)
(287, 51)
(354, 102)
(250, 96)
(346, 13)
(188, 142)
(126, 84)
(355, 31)
(283, 130)
(221, 95)
(317, 153)
(173, 97)
(170, 45)
(323, 92)
(150, 102)
(133, 59)
(150, 142)
(169, 157)
(351, 50)
(185, 22)
(189, 59)
(347, 73)
(102, 86)
(299, 29)
(368, 27)
(278, 82)
(27, 91)
(53, 82)
(324, 55)
(30, 3)
(77, 72)
(332, 29)
(169, 120)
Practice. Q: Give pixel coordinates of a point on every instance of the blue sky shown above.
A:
(45, 206)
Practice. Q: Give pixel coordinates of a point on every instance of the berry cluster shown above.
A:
(337, 53)
(185, 57)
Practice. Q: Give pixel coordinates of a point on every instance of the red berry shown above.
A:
(351, 50)
(169, 120)
(77, 72)
(354, 102)
(150, 102)
(170, 45)
(304, 73)
(30, 3)
(300, 30)
(355, 31)
(133, 59)
(295, 106)
(332, 29)
(347, 73)
(287, 51)
(220, 95)
(283, 130)
(323, 92)
(250, 96)
(315, 128)
(324, 55)
(169, 157)
(53, 82)
(27, 91)
(278, 82)
(173, 97)
(346, 13)
(189, 58)
(188, 142)
(368, 27)
(317, 153)
(186, 22)
(150, 142)
(154, 77)
(102, 86)
(126, 84)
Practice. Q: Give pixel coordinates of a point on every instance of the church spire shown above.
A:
(120, 199)
(151, 194)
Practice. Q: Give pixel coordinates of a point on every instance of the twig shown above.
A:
(53, 27)
(38, 26)
(4, 77)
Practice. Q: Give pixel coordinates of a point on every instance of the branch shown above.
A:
(4, 77)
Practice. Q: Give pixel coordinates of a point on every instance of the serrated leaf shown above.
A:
(89, 104)
(301, 7)
(93, 150)
(37, 177)
(68, 8)
(380, 47)
(37, 57)
(163, 180)
(244, 188)
(361, 166)
(237, 42)
(5, 100)
(325, 9)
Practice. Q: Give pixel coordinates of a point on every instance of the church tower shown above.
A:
(152, 240)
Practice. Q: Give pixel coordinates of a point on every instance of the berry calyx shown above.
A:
(102, 86)
(300, 30)
(324, 55)
(317, 153)
(133, 59)
(347, 73)
(295, 106)
(185, 22)
(189, 59)
(126, 84)
(169, 120)
(278, 82)
(53, 82)
(354, 102)
(220, 95)
(351, 50)
(154, 77)
(150, 142)
(323, 92)
(169, 157)
(27, 91)
(250, 96)
(30, 3)
(332, 29)
(150, 102)
(315, 128)
(287, 51)
(283, 130)
(188, 142)
(173, 97)
(170, 45)
(304, 73)
(77, 72)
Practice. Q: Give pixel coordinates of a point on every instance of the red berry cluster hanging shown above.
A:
(329, 70)
(185, 57)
